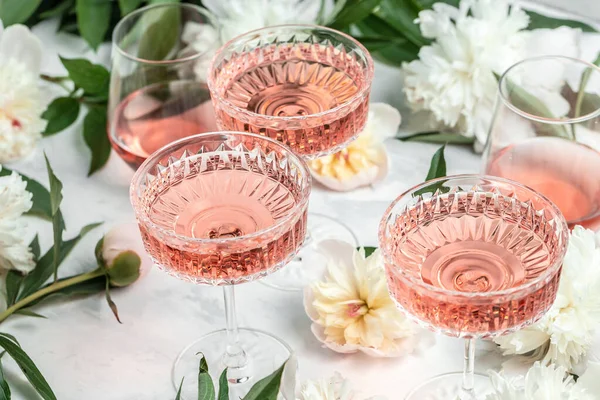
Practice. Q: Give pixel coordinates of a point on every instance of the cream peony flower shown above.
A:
(333, 388)
(20, 100)
(240, 16)
(454, 76)
(365, 160)
(565, 334)
(545, 383)
(351, 308)
(14, 201)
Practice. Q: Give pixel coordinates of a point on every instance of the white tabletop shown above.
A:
(85, 354)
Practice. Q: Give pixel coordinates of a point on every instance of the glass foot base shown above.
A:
(309, 264)
(448, 387)
(264, 354)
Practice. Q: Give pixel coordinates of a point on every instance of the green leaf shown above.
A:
(581, 94)
(206, 388)
(93, 20)
(368, 250)
(160, 38)
(96, 139)
(27, 312)
(60, 114)
(58, 223)
(353, 11)
(267, 388)
(528, 103)
(17, 11)
(57, 11)
(438, 137)
(223, 386)
(92, 78)
(35, 247)
(374, 43)
(128, 6)
(178, 397)
(398, 49)
(538, 21)
(13, 285)
(437, 169)
(4, 388)
(401, 15)
(41, 196)
(125, 269)
(31, 372)
(45, 266)
(111, 303)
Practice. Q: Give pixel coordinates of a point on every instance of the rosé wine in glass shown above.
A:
(305, 86)
(472, 257)
(223, 209)
(567, 172)
(545, 133)
(157, 115)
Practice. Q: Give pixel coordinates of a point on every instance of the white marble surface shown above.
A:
(85, 354)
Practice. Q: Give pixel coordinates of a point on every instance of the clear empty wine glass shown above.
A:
(305, 86)
(158, 91)
(472, 257)
(222, 209)
(546, 133)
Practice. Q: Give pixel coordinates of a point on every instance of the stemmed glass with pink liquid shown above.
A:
(223, 209)
(472, 257)
(305, 86)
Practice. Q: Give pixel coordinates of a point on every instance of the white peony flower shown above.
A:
(565, 334)
(334, 388)
(14, 201)
(20, 101)
(544, 383)
(240, 16)
(365, 160)
(351, 308)
(454, 76)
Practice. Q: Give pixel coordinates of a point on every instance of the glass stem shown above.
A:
(468, 381)
(235, 356)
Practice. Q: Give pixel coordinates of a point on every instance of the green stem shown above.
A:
(56, 286)
(59, 80)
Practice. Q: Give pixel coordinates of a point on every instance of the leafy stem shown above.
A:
(58, 80)
(54, 287)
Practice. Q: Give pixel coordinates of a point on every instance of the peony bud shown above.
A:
(122, 253)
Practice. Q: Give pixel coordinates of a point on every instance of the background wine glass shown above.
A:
(305, 86)
(472, 257)
(223, 209)
(158, 93)
(546, 133)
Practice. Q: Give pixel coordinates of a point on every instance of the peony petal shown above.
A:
(18, 43)
(288, 379)
(590, 379)
(383, 122)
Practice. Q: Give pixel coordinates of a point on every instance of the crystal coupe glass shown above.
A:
(305, 86)
(472, 257)
(223, 209)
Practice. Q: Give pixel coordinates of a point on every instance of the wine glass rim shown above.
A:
(206, 13)
(138, 179)
(358, 95)
(537, 118)
(548, 273)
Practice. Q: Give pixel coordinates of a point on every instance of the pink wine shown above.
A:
(157, 115)
(476, 252)
(223, 204)
(566, 172)
(296, 81)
